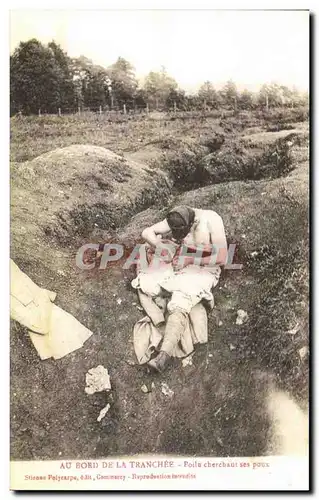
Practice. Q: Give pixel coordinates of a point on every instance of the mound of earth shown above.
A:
(75, 190)
(252, 157)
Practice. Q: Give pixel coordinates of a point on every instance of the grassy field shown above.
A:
(32, 136)
(67, 190)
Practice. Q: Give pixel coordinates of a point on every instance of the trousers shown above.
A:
(175, 326)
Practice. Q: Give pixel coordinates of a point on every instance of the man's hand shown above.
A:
(153, 233)
(176, 263)
(179, 262)
(164, 251)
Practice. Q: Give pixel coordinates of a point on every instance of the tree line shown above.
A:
(44, 77)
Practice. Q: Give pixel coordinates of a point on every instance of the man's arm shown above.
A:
(152, 235)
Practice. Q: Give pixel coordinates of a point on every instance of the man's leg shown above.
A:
(175, 326)
(178, 309)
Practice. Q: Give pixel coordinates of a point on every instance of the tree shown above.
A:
(140, 98)
(192, 102)
(34, 78)
(301, 98)
(95, 90)
(66, 94)
(158, 86)
(91, 83)
(246, 100)
(208, 95)
(123, 82)
(176, 97)
(229, 95)
(270, 95)
(40, 78)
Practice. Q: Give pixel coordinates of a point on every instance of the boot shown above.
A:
(159, 363)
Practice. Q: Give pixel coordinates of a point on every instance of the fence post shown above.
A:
(175, 109)
(59, 111)
(100, 110)
(124, 108)
(112, 101)
(147, 108)
(79, 110)
(267, 103)
(39, 112)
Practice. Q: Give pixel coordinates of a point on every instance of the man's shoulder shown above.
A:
(201, 214)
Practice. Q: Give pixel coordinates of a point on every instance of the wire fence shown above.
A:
(125, 111)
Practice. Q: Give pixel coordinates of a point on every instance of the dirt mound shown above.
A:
(273, 119)
(262, 138)
(251, 160)
(212, 141)
(82, 189)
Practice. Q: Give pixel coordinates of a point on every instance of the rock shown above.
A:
(254, 254)
(242, 317)
(130, 362)
(303, 352)
(217, 411)
(119, 301)
(166, 390)
(97, 380)
(220, 323)
(187, 361)
(145, 389)
(294, 330)
(232, 347)
(103, 412)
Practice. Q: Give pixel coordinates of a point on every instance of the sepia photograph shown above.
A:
(159, 249)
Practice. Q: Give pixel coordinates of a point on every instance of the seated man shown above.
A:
(202, 249)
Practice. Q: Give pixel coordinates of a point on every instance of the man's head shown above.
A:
(180, 220)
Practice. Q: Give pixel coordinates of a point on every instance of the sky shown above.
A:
(249, 47)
